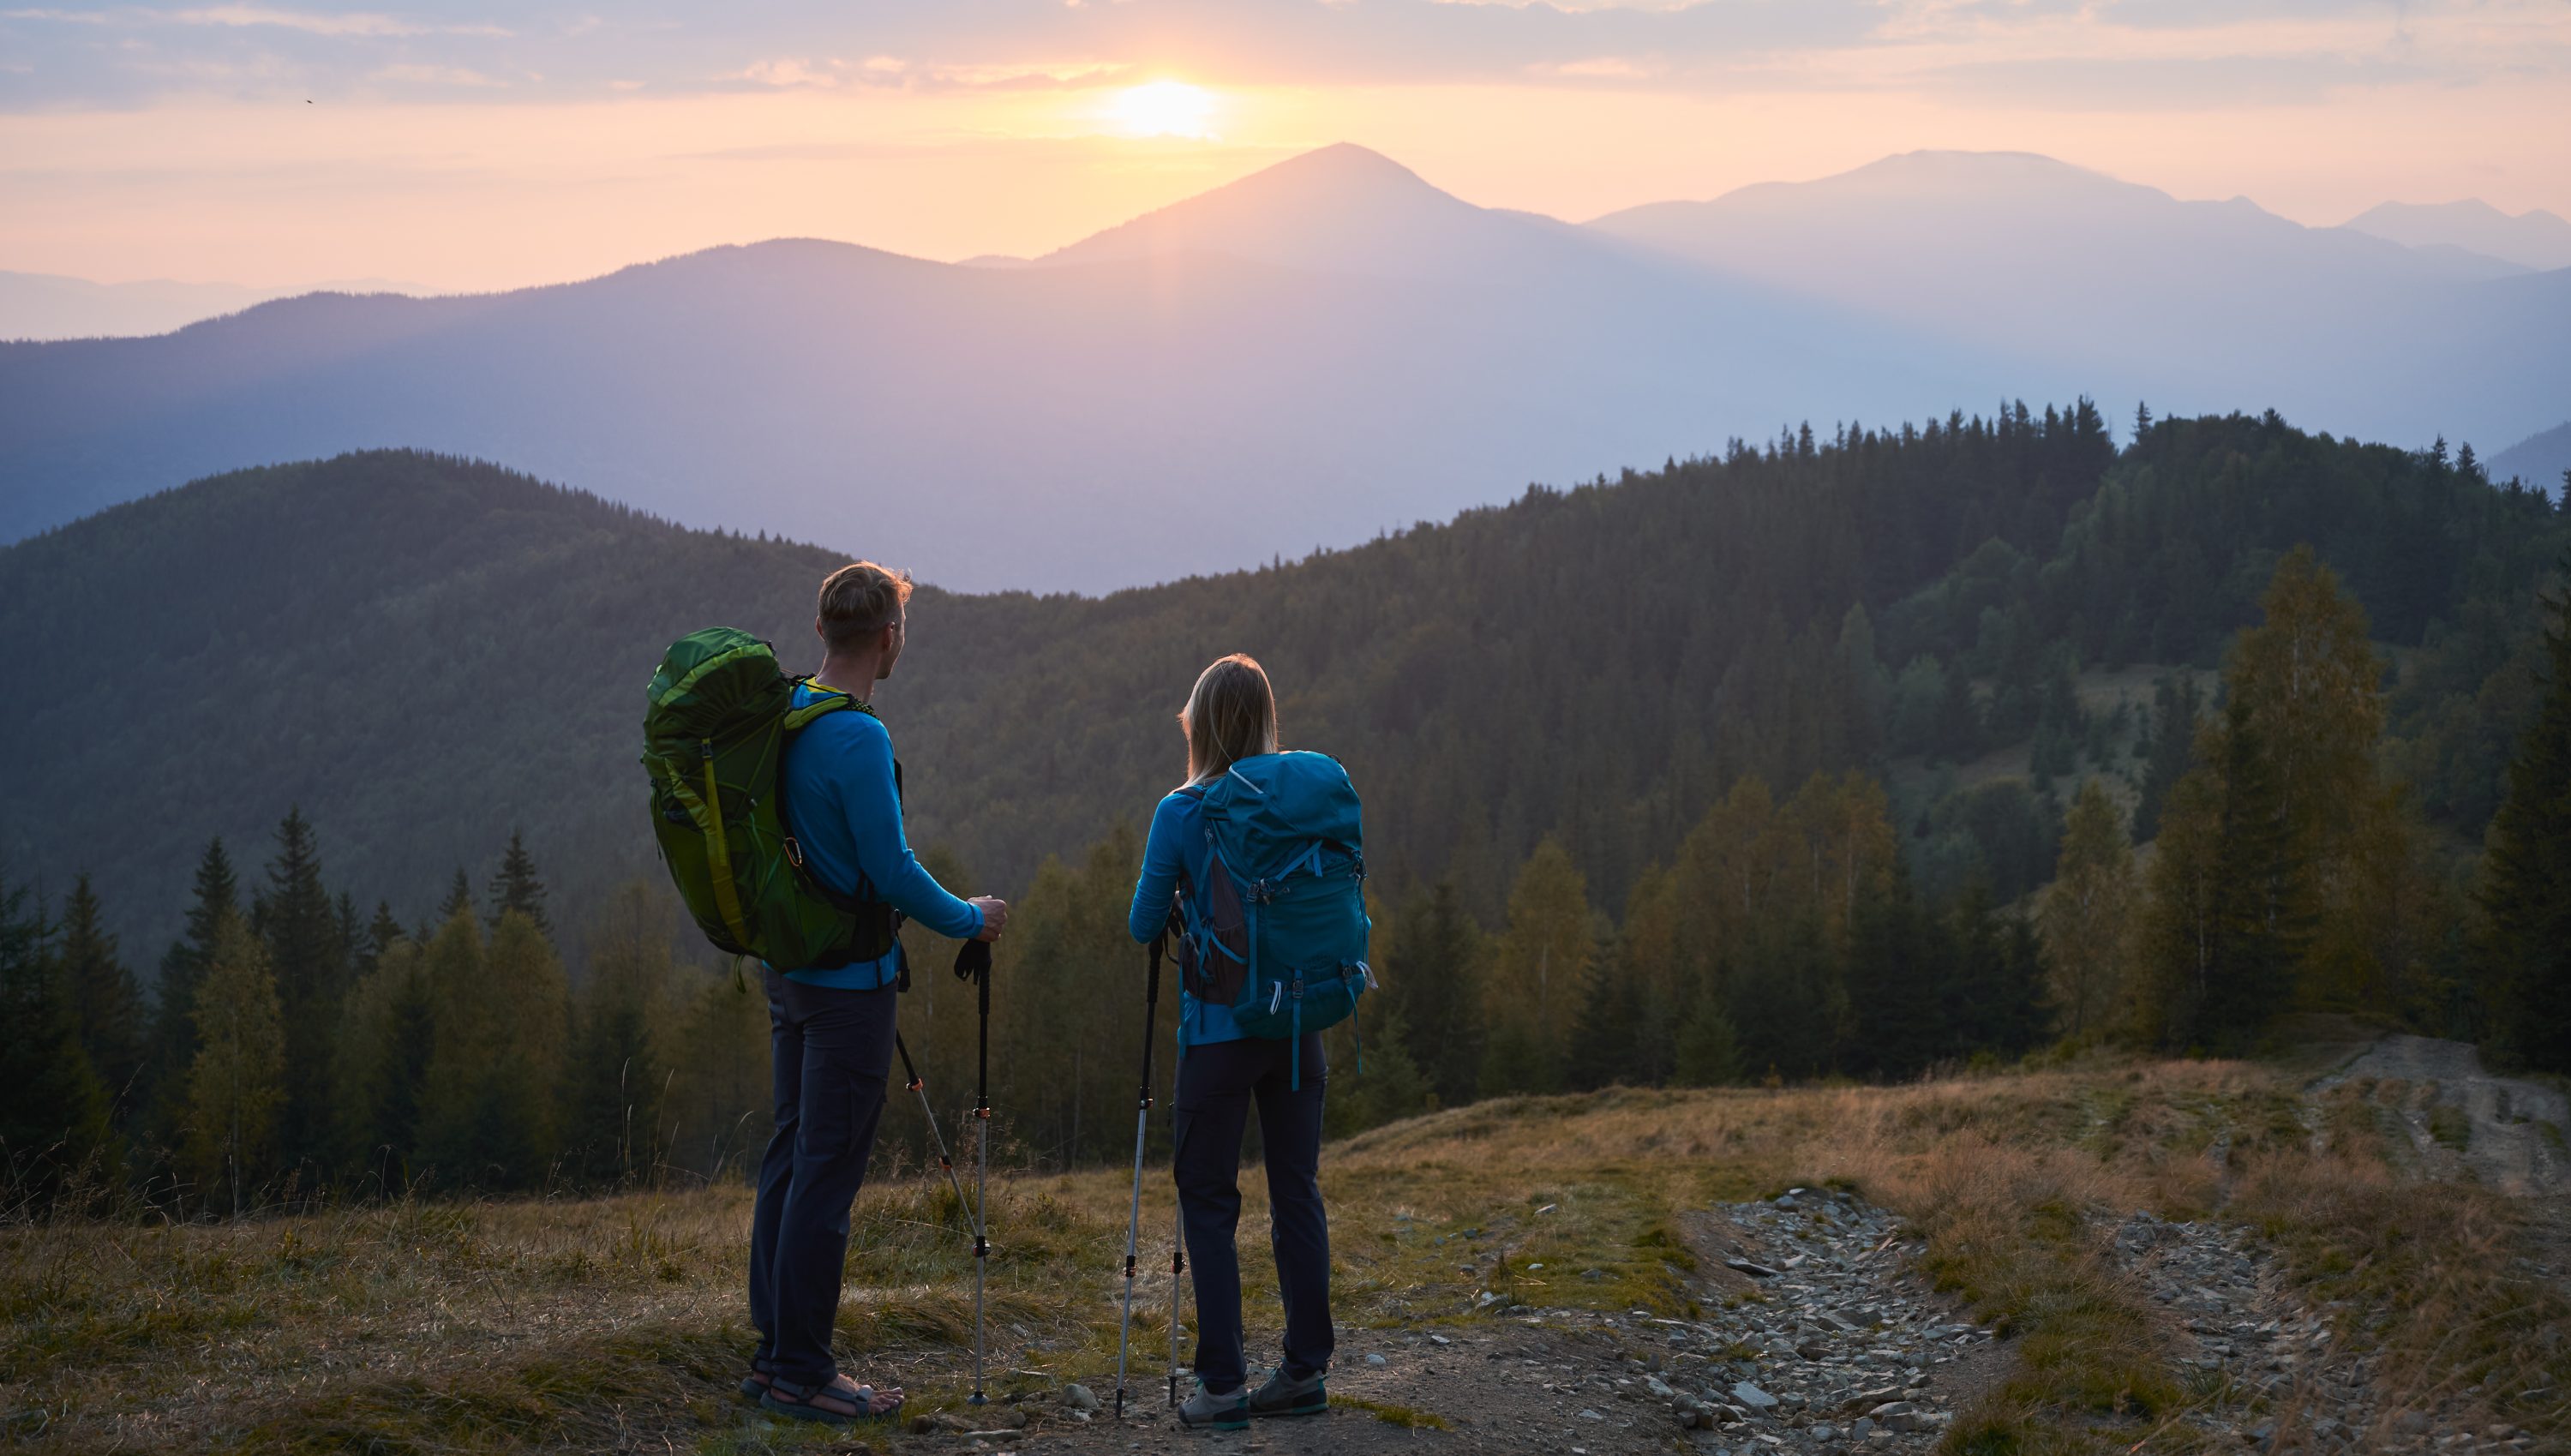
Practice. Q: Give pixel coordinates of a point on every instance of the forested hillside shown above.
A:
(1625, 751)
(424, 653)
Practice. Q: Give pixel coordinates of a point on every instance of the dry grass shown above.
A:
(615, 1324)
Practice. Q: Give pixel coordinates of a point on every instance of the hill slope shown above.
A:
(2540, 460)
(424, 653)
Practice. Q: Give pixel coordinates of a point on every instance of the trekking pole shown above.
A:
(1178, 1260)
(1134, 1220)
(919, 1084)
(973, 963)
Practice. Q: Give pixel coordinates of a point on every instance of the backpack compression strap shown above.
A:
(707, 810)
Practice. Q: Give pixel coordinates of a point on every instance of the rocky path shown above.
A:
(1816, 1339)
(2463, 1122)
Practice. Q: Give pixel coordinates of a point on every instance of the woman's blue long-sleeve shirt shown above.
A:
(1176, 846)
(845, 810)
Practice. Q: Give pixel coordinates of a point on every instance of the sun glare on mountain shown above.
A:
(1163, 109)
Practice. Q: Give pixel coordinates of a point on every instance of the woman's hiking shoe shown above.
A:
(838, 1403)
(1285, 1396)
(1229, 1411)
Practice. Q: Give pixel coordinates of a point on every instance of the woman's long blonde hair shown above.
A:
(1230, 714)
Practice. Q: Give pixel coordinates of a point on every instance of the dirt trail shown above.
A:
(1819, 1338)
(1816, 1337)
(2511, 1132)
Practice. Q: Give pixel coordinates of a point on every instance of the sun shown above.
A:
(1161, 109)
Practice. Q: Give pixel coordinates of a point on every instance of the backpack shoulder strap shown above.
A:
(830, 702)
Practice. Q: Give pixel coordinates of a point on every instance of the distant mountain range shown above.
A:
(2535, 239)
(49, 307)
(2540, 459)
(1309, 356)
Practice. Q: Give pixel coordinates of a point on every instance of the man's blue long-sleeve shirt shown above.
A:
(845, 810)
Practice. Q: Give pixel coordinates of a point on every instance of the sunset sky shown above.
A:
(463, 144)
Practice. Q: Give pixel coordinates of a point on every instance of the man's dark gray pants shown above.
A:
(831, 1051)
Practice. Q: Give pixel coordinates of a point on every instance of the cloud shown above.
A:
(787, 72)
(413, 75)
(353, 23)
(2032, 52)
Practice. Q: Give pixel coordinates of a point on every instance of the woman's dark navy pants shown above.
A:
(1217, 1084)
(832, 1051)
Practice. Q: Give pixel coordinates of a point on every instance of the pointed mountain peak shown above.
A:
(1338, 207)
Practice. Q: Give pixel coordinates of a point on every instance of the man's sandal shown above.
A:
(806, 1402)
(754, 1384)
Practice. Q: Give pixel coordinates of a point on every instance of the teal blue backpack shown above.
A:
(1279, 935)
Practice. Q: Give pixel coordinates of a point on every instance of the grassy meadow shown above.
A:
(617, 1323)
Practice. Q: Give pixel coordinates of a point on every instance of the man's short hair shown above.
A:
(858, 601)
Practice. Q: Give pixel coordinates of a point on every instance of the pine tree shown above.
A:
(1783, 998)
(496, 1068)
(2308, 678)
(458, 901)
(386, 1033)
(113, 1025)
(216, 895)
(2526, 883)
(2182, 932)
(516, 887)
(2088, 915)
(1601, 1050)
(1430, 975)
(1707, 1053)
(237, 1087)
(307, 955)
(2173, 745)
(381, 932)
(614, 1080)
(2261, 918)
(1896, 972)
(53, 1108)
(355, 954)
(1387, 1089)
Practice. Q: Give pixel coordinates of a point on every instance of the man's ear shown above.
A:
(819, 633)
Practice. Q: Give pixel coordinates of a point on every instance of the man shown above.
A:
(830, 1031)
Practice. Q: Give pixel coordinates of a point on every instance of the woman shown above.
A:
(1231, 715)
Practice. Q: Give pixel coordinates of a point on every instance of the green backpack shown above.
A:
(713, 744)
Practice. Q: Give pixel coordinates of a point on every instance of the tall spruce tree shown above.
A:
(53, 1108)
(517, 886)
(307, 954)
(2526, 883)
(613, 1081)
(2177, 701)
(215, 895)
(1897, 967)
(2261, 913)
(458, 901)
(1430, 963)
(114, 1027)
(387, 1029)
